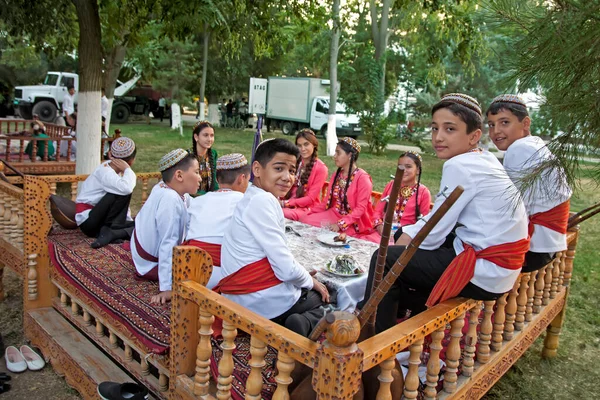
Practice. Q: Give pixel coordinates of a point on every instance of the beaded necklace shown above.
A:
(405, 194)
(205, 171)
(338, 192)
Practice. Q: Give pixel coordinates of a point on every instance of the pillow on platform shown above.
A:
(63, 211)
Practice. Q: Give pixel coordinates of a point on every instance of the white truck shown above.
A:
(298, 103)
(47, 98)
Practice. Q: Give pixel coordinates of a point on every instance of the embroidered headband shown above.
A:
(231, 161)
(309, 131)
(171, 158)
(351, 142)
(509, 98)
(414, 153)
(122, 147)
(203, 122)
(462, 99)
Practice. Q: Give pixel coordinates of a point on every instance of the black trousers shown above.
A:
(305, 314)
(535, 261)
(110, 211)
(415, 283)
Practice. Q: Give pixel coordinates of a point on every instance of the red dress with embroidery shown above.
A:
(357, 220)
(406, 209)
(296, 207)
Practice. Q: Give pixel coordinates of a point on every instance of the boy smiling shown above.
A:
(259, 271)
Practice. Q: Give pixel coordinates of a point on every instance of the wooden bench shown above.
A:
(480, 340)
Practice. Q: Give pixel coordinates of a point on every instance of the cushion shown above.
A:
(63, 211)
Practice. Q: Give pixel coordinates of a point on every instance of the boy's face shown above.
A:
(449, 135)
(505, 128)
(278, 176)
(190, 178)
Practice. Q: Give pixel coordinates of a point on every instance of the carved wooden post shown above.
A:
(73, 191)
(522, 302)
(203, 353)
(433, 365)
(530, 294)
(453, 354)
(540, 282)
(32, 287)
(338, 366)
(226, 363)
(254, 384)
(511, 309)
(499, 319)
(411, 383)
(471, 341)
(483, 353)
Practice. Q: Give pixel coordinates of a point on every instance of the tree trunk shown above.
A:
(112, 68)
(380, 33)
(90, 83)
(214, 117)
(204, 68)
(333, 57)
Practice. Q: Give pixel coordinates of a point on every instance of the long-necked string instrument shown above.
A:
(583, 215)
(379, 292)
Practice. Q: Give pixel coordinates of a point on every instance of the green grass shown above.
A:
(573, 374)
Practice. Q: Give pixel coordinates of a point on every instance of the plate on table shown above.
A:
(343, 266)
(327, 238)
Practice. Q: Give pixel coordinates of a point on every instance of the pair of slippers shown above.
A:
(4, 387)
(19, 360)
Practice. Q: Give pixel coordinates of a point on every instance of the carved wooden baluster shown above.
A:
(64, 299)
(471, 341)
(34, 150)
(14, 220)
(499, 320)
(52, 187)
(569, 256)
(203, 353)
(385, 379)
(87, 318)
(411, 383)
(547, 284)
(522, 302)
(74, 308)
(6, 218)
(433, 365)
(99, 329)
(510, 310)
(113, 339)
(144, 190)
(2, 211)
(555, 275)
(32, 275)
(21, 150)
(45, 154)
(453, 354)
(285, 366)
(21, 232)
(145, 365)
(530, 295)
(7, 152)
(128, 353)
(561, 276)
(163, 382)
(254, 384)
(73, 191)
(69, 147)
(485, 334)
(57, 150)
(226, 363)
(540, 282)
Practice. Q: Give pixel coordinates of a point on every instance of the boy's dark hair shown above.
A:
(185, 164)
(518, 110)
(267, 150)
(468, 116)
(130, 157)
(69, 87)
(228, 176)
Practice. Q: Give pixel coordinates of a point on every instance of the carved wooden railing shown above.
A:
(498, 333)
(11, 230)
(21, 125)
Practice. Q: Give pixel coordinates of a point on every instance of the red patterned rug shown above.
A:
(107, 277)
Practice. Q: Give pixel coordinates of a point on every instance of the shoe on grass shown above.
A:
(122, 391)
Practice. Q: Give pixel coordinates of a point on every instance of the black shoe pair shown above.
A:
(4, 387)
(118, 391)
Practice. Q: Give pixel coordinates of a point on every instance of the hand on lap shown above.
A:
(161, 298)
(321, 289)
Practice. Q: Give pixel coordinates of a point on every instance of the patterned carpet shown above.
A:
(107, 277)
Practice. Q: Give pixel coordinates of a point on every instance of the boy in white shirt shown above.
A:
(258, 268)
(102, 205)
(210, 214)
(484, 259)
(161, 223)
(530, 165)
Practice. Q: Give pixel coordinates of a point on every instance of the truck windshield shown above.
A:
(51, 79)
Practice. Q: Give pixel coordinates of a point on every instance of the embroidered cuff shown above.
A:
(377, 222)
(342, 225)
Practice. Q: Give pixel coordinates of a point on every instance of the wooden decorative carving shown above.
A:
(412, 381)
(433, 365)
(254, 384)
(453, 354)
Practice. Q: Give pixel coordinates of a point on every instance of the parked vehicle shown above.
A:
(297, 103)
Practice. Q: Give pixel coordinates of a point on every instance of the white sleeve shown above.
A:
(115, 184)
(452, 176)
(263, 221)
(169, 221)
(517, 160)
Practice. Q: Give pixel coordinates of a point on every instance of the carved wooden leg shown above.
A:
(511, 309)
(433, 365)
(485, 335)
(226, 363)
(530, 295)
(522, 302)
(203, 353)
(471, 341)
(411, 383)
(499, 319)
(32, 289)
(552, 335)
(453, 354)
(254, 384)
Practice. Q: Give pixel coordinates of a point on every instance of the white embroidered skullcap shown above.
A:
(464, 100)
(231, 161)
(510, 98)
(171, 158)
(122, 147)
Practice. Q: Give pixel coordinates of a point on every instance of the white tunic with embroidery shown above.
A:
(104, 180)
(548, 191)
(257, 230)
(490, 212)
(209, 218)
(159, 226)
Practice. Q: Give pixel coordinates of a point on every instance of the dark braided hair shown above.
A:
(310, 136)
(348, 149)
(197, 129)
(417, 161)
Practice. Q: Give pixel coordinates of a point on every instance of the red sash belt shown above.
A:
(250, 279)
(462, 268)
(556, 218)
(141, 252)
(213, 249)
(81, 207)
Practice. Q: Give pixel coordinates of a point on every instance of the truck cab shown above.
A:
(45, 99)
(345, 124)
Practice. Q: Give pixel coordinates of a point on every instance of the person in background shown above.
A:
(38, 133)
(162, 103)
(68, 106)
(243, 110)
(223, 110)
(230, 106)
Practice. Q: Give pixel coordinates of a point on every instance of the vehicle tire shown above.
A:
(120, 114)
(24, 113)
(46, 110)
(288, 128)
(324, 131)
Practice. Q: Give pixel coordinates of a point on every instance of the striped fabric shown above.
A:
(214, 250)
(556, 218)
(250, 279)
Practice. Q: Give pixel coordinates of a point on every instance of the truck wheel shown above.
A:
(324, 131)
(46, 110)
(24, 112)
(287, 128)
(120, 114)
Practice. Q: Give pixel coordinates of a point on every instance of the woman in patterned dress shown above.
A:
(203, 137)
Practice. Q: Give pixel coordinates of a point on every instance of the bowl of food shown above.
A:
(343, 265)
